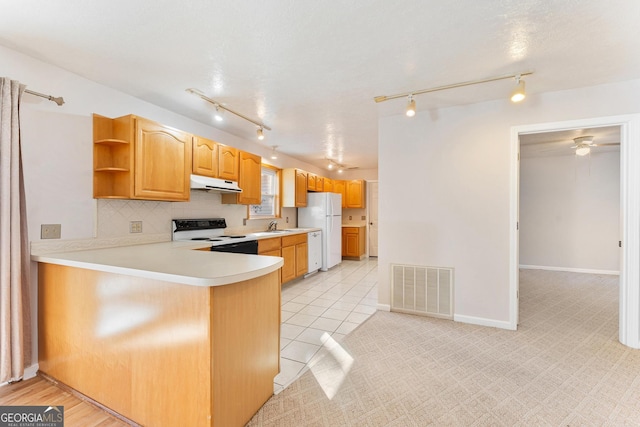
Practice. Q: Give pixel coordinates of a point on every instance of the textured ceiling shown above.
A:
(310, 69)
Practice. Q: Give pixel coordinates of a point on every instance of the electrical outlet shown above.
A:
(350, 218)
(287, 220)
(50, 231)
(135, 227)
(363, 217)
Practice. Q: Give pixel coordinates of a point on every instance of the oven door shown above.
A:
(249, 247)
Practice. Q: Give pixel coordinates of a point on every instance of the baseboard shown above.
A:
(384, 307)
(570, 270)
(31, 371)
(481, 321)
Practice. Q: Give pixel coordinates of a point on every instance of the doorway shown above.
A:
(629, 324)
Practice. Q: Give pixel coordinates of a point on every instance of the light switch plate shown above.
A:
(50, 231)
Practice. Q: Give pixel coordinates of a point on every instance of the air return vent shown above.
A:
(422, 290)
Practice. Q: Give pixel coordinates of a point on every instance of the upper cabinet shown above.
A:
(340, 187)
(328, 185)
(228, 163)
(311, 181)
(136, 158)
(355, 190)
(294, 188)
(250, 180)
(205, 157)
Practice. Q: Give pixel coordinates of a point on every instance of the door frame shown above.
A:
(629, 316)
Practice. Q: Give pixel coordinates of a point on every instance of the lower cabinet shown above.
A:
(293, 249)
(353, 242)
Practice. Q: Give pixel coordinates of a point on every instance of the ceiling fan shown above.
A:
(583, 145)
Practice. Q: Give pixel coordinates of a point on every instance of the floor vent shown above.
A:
(422, 290)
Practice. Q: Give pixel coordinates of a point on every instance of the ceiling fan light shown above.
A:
(518, 93)
(411, 107)
(583, 150)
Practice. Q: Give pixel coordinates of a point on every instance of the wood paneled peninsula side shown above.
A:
(161, 334)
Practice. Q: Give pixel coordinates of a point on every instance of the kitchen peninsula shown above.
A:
(162, 334)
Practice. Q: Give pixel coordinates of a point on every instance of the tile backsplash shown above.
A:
(114, 216)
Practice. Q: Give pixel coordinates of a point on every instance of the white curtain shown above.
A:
(15, 316)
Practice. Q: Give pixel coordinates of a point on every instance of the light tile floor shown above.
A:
(333, 303)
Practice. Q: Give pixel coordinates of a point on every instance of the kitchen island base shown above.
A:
(161, 353)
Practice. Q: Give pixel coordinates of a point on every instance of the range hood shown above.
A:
(199, 182)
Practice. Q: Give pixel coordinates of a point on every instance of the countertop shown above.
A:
(177, 262)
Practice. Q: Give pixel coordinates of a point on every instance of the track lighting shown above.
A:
(411, 107)
(218, 114)
(516, 96)
(274, 155)
(518, 93)
(332, 165)
(220, 109)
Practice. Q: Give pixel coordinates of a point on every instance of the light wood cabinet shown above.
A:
(136, 158)
(355, 194)
(320, 183)
(249, 179)
(288, 270)
(295, 253)
(311, 182)
(328, 185)
(339, 186)
(205, 157)
(294, 188)
(271, 247)
(162, 162)
(228, 163)
(353, 242)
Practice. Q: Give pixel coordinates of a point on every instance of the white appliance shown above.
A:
(324, 211)
(314, 245)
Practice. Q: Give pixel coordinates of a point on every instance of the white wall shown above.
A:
(444, 179)
(570, 211)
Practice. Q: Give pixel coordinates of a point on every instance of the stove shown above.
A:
(211, 230)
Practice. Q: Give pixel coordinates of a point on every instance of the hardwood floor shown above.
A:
(39, 391)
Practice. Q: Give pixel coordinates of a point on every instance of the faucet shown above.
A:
(273, 226)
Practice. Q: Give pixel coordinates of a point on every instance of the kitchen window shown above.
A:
(270, 199)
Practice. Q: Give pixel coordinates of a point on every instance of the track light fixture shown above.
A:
(221, 108)
(218, 115)
(274, 155)
(333, 165)
(518, 93)
(411, 105)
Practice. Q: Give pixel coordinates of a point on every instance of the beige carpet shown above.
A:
(563, 367)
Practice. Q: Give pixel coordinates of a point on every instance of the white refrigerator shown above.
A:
(324, 211)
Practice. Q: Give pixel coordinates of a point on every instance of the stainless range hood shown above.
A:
(199, 182)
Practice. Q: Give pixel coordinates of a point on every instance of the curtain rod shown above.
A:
(58, 100)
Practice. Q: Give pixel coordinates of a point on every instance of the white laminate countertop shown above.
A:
(176, 262)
